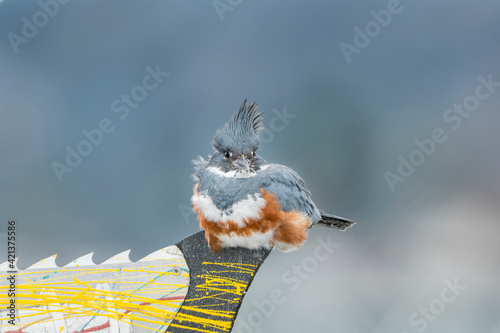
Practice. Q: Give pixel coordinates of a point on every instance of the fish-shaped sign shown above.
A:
(180, 288)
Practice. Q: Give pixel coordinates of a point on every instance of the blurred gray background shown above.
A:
(353, 117)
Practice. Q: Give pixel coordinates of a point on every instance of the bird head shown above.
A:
(237, 142)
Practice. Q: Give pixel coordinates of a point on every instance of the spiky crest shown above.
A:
(242, 130)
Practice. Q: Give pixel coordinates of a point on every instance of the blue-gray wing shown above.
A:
(290, 189)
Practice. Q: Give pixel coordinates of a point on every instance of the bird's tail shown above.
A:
(336, 222)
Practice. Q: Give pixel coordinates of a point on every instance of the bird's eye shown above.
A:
(227, 154)
(254, 153)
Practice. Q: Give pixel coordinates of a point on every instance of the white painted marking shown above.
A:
(59, 322)
(85, 260)
(119, 258)
(49, 262)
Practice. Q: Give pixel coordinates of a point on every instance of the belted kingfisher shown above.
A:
(242, 200)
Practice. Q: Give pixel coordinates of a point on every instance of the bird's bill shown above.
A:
(242, 164)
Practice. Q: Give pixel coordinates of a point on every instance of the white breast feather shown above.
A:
(254, 241)
(248, 208)
(235, 173)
